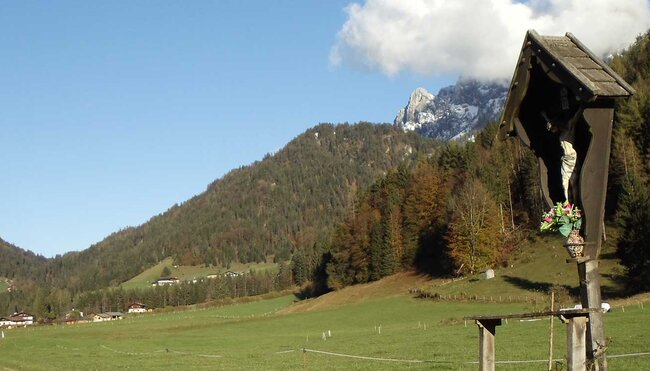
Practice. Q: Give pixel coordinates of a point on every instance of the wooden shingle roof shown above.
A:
(596, 77)
(566, 61)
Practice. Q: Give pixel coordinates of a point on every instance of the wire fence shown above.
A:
(336, 354)
(420, 294)
(355, 356)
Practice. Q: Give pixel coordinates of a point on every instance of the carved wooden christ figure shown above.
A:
(565, 128)
(551, 116)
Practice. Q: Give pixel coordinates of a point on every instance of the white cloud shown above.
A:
(476, 38)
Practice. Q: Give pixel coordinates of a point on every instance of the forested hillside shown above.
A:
(630, 165)
(271, 208)
(468, 207)
(16, 262)
(460, 210)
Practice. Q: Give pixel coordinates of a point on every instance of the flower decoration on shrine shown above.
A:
(563, 217)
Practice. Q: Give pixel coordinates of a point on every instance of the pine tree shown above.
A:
(634, 218)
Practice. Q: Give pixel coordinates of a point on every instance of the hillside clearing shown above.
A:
(188, 273)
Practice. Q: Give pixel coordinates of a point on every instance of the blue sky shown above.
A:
(113, 111)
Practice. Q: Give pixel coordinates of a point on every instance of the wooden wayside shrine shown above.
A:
(561, 105)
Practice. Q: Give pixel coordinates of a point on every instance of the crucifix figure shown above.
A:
(564, 125)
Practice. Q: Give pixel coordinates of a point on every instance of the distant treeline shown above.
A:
(49, 304)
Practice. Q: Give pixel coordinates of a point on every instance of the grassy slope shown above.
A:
(539, 266)
(182, 272)
(3, 284)
(535, 269)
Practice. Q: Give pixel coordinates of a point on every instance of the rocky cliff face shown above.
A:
(455, 112)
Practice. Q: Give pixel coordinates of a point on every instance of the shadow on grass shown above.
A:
(608, 292)
(607, 256)
(529, 285)
(621, 288)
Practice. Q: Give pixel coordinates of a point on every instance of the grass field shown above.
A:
(183, 272)
(377, 326)
(400, 332)
(3, 284)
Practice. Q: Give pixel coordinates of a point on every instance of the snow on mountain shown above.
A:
(455, 112)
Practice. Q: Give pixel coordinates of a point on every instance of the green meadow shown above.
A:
(3, 285)
(377, 326)
(391, 332)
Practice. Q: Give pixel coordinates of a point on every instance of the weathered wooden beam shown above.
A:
(590, 296)
(594, 174)
(487, 334)
(567, 313)
(576, 344)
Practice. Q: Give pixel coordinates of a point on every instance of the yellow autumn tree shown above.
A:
(475, 234)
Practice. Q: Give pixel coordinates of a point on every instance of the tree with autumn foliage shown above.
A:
(425, 218)
(475, 233)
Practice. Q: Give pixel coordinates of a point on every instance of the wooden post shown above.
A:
(487, 333)
(594, 174)
(576, 344)
(590, 298)
(550, 336)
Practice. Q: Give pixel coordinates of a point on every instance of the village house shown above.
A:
(107, 316)
(75, 316)
(101, 317)
(137, 308)
(18, 319)
(165, 281)
(115, 315)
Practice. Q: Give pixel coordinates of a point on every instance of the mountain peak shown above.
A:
(409, 115)
(455, 111)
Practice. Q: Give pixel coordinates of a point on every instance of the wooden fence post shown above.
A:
(577, 344)
(487, 332)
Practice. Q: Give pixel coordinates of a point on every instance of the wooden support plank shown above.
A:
(594, 174)
(590, 295)
(576, 341)
(487, 334)
(583, 312)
